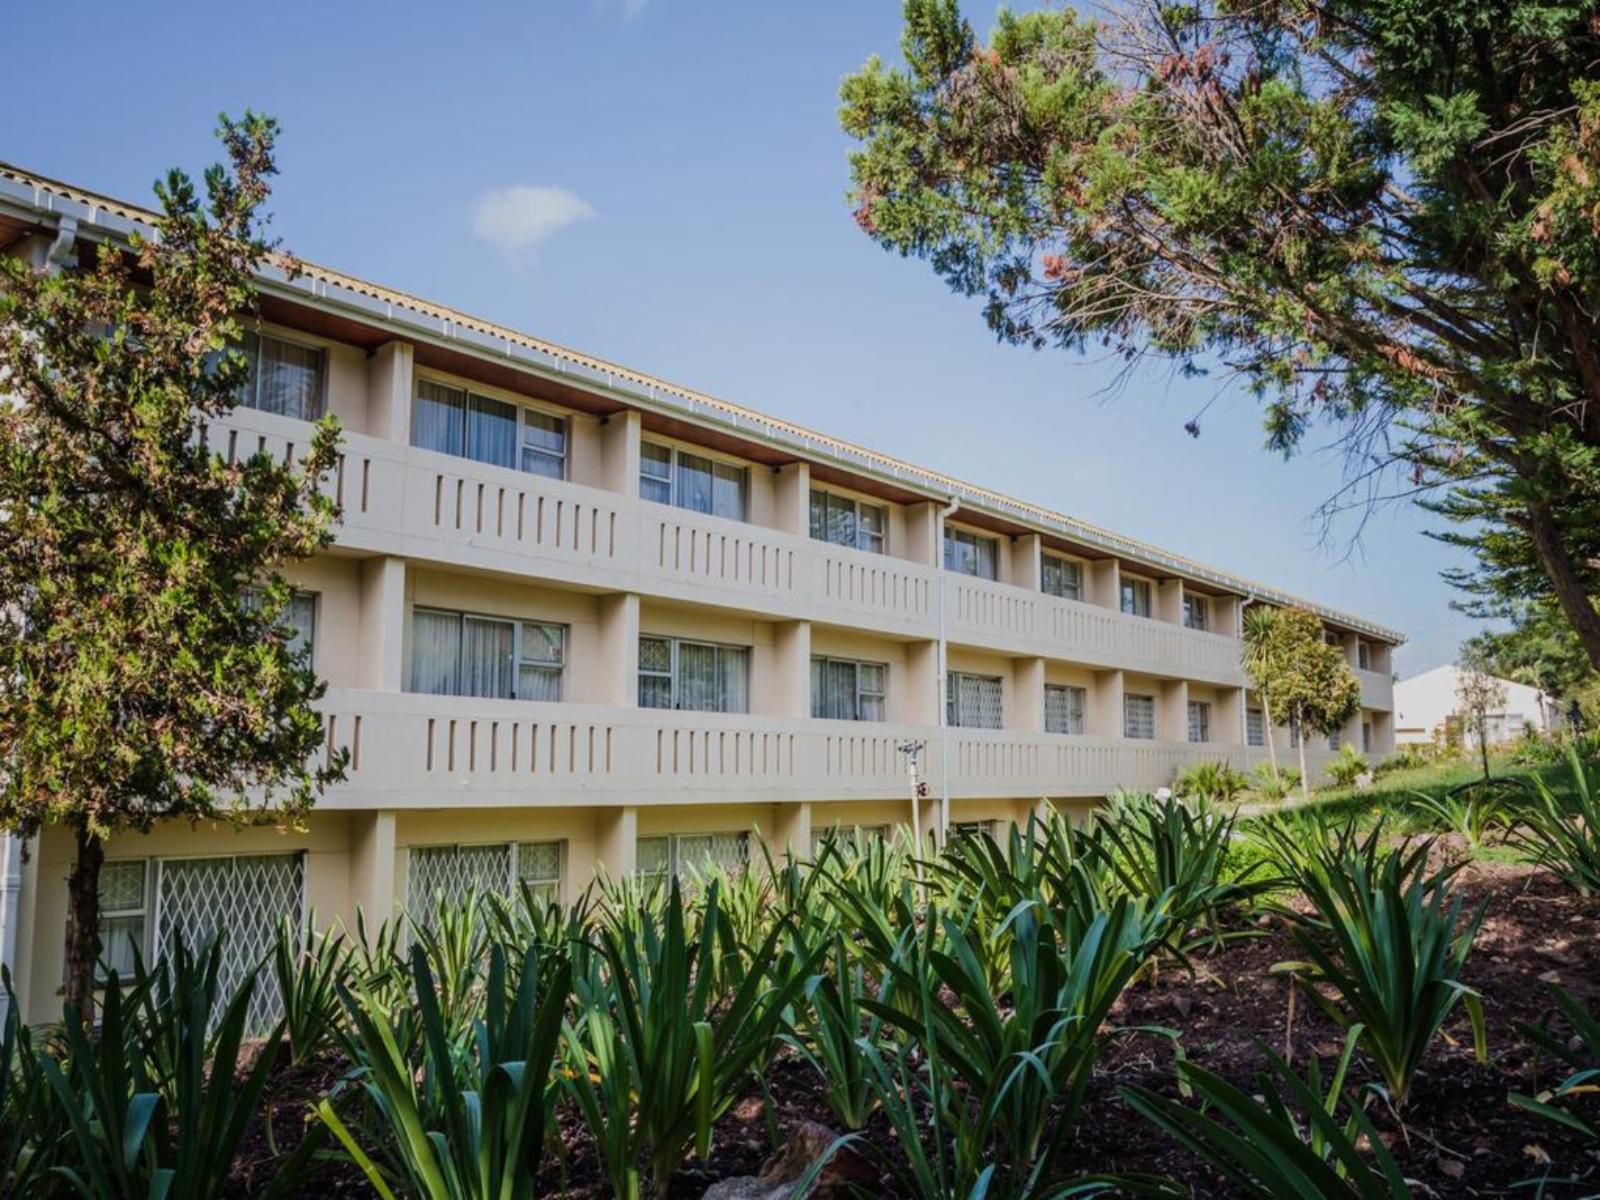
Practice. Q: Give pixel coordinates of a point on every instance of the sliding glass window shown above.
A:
(462, 654)
(285, 377)
(847, 522)
(669, 475)
(843, 689)
(455, 421)
(699, 676)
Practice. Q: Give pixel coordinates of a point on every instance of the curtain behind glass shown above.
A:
(694, 483)
(435, 652)
(491, 431)
(289, 379)
(487, 652)
(735, 667)
(544, 445)
(699, 681)
(655, 473)
(438, 419)
(727, 492)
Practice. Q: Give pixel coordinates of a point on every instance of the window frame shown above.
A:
(1200, 709)
(672, 674)
(1129, 591)
(672, 867)
(145, 913)
(1363, 656)
(675, 452)
(559, 882)
(856, 506)
(519, 658)
(952, 698)
(523, 410)
(1062, 563)
(858, 694)
(1255, 734)
(253, 377)
(1082, 714)
(1197, 612)
(1128, 698)
(957, 535)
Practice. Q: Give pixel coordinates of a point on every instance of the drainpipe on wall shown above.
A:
(1244, 705)
(943, 672)
(10, 901)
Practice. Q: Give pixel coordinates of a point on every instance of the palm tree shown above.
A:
(1258, 620)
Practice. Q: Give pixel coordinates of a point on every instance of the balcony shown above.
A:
(1377, 690)
(418, 504)
(417, 751)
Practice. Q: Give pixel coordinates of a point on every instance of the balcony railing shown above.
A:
(400, 500)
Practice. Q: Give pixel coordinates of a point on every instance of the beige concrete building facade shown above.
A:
(577, 618)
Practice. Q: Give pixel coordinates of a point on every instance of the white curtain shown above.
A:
(544, 445)
(655, 473)
(288, 378)
(699, 684)
(694, 483)
(438, 419)
(492, 431)
(435, 652)
(488, 650)
(735, 665)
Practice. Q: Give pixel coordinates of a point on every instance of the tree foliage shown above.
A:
(145, 670)
(1383, 216)
(1310, 682)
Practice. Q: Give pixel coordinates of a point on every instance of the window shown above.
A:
(285, 377)
(1366, 737)
(668, 856)
(1060, 577)
(970, 553)
(1199, 721)
(299, 616)
(973, 701)
(989, 829)
(450, 872)
(538, 864)
(1255, 727)
(678, 477)
(455, 421)
(845, 690)
(1364, 656)
(1333, 740)
(1136, 597)
(124, 908)
(1138, 716)
(698, 676)
(847, 522)
(1064, 708)
(848, 835)
(461, 654)
(1196, 612)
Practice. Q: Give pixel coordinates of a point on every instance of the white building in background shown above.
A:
(1424, 702)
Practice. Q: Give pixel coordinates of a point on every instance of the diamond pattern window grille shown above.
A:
(242, 897)
(453, 871)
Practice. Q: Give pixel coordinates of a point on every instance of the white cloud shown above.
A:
(517, 218)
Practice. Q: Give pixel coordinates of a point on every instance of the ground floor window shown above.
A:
(1255, 727)
(1199, 721)
(669, 855)
(1366, 737)
(124, 915)
(1139, 716)
(1064, 708)
(451, 872)
(990, 829)
(849, 833)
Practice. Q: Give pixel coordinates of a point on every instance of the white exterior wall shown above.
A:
(1423, 703)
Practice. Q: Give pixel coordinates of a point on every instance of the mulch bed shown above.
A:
(1459, 1136)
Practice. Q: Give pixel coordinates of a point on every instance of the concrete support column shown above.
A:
(615, 679)
(784, 689)
(921, 699)
(1105, 704)
(1025, 561)
(1172, 711)
(791, 499)
(1169, 601)
(1103, 584)
(29, 935)
(389, 390)
(616, 841)
(1352, 652)
(619, 452)
(922, 522)
(381, 661)
(791, 828)
(1227, 616)
(1027, 695)
(1227, 725)
(375, 874)
(1382, 732)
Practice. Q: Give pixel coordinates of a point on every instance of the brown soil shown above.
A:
(1459, 1136)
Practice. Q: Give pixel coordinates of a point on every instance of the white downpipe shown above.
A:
(943, 671)
(10, 902)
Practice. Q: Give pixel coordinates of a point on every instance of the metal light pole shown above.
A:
(913, 752)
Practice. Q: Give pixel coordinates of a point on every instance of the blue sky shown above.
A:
(661, 182)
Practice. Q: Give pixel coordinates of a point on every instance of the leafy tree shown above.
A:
(1258, 619)
(1380, 215)
(1541, 651)
(1478, 693)
(145, 670)
(1309, 680)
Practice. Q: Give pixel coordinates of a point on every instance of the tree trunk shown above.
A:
(83, 922)
(1483, 742)
(1563, 576)
(1305, 775)
(1272, 749)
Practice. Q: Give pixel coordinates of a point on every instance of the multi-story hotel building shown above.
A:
(577, 618)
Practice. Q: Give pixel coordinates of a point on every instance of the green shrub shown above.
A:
(1561, 831)
(1273, 786)
(1385, 933)
(1286, 1143)
(1210, 782)
(310, 966)
(1580, 1051)
(1350, 766)
(1472, 812)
